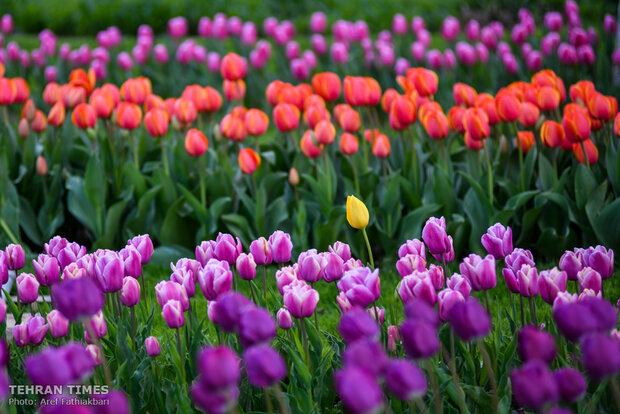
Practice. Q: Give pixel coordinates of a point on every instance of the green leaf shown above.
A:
(28, 222)
(94, 183)
(199, 208)
(585, 184)
(607, 225)
(112, 224)
(482, 195)
(412, 223)
(79, 205)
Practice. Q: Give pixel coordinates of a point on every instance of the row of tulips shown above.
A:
(232, 352)
(566, 42)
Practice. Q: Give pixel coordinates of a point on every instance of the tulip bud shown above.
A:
(95, 353)
(246, 266)
(357, 213)
(172, 313)
(23, 130)
(152, 346)
(41, 166)
(284, 319)
(58, 324)
(130, 294)
(27, 288)
(293, 177)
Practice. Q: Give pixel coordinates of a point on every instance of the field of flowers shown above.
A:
(377, 219)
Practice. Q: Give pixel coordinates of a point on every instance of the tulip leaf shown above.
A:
(607, 225)
(546, 173)
(481, 194)
(28, 221)
(79, 205)
(112, 223)
(411, 225)
(585, 184)
(94, 183)
(518, 200)
(199, 209)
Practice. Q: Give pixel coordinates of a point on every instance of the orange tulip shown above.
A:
(156, 122)
(136, 90)
(8, 91)
(169, 106)
(327, 85)
(316, 114)
(529, 114)
(214, 100)
(113, 91)
(249, 160)
(436, 125)
(402, 113)
(325, 132)
(233, 128)
(128, 115)
(41, 166)
(591, 152)
(313, 100)
(381, 146)
(476, 123)
(79, 78)
(154, 102)
(102, 102)
(388, 97)
(428, 108)
(424, 80)
(308, 145)
(547, 98)
(552, 134)
(455, 119)
(23, 90)
(234, 90)
(51, 93)
(184, 111)
(84, 116)
(286, 117)
(374, 96)
(518, 89)
(348, 143)
(508, 106)
(56, 116)
(417, 99)
(371, 134)
(527, 140)
(23, 129)
(233, 67)
(473, 144)
(356, 90)
(350, 120)
(602, 107)
(197, 95)
(28, 110)
(487, 102)
(287, 93)
(464, 94)
(581, 91)
(272, 92)
(340, 109)
(39, 123)
(196, 143)
(547, 77)
(576, 123)
(73, 95)
(617, 125)
(256, 122)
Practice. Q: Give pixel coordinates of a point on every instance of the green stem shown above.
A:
(522, 313)
(372, 262)
(136, 158)
(203, 190)
(585, 154)
(615, 390)
(304, 336)
(264, 285)
(180, 350)
(489, 171)
(514, 124)
(268, 400)
(164, 157)
(533, 311)
(252, 292)
(487, 363)
(133, 328)
(284, 408)
(455, 378)
(8, 231)
(436, 396)
(327, 175)
(355, 177)
(414, 157)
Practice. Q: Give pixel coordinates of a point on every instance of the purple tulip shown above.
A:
(571, 384)
(367, 355)
(6, 23)
(285, 321)
(405, 380)
(114, 402)
(109, 269)
(488, 37)
(285, 276)
(256, 326)
(409, 263)
(534, 344)
(358, 390)
(300, 299)
(498, 241)
(37, 329)
(58, 324)
(567, 54)
(49, 367)
(228, 309)
(564, 298)
(450, 28)
(461, 284)
(215, 279)
(590, 279)
(151, 344)
(362, 286)
(132, 261)
(318, 22)
(479, 272)
(414, 246)
(417, 285)
(95, 354)
(533, 385)
(77, 298)
(160, 52)
(419, 310)
(418, 50)
(356, 324)
(98, 326)
(130, 294)
(600, 259)
(4, 267)
(576, 319)
(16, 258)
(261, 251)
(553, 21)
(419, 338)
(227, 249)
(27, 288)
(220, 400)
(281, 246)
(435, 236)
(219, 367)
(168, 290)
(264, 366)
(172, 313)
(469, 320)
(527, 278)
(144, 245)
(446, 300)
(177, 27)
(46, 269)
(246, 266)
(609, 24)
(311, 267)
(339, 53)
(600, 355)
(333, 267)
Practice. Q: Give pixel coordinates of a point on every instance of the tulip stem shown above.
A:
(8, 231)
(414, 163)
(585, 154)
(136, 158)
(372, 262)
(203, 190)
(436, 396)
(455, 378)
(164, 157)
(284, 408)
(489, 171)
(181, 357)
(268, 400)
(486, 300)
(264, 285)
(304, 336)
(487, 363)
(97, 342)
(5, 114)
(252, 292)
(133, 327)
(577, 287)
(328, 177)
(522, 313)
(533, 311)
(514, 124)
(355, 177)
(419, 403)
(615, 390)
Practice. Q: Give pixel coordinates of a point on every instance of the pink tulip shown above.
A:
(550, 283)
(166, 291)
(417, 285)
(172, 313)
(130, 294)
(58, 324)
(446, 299)
(246, 266)
(97, 326)
(284, 319)
(300, 299)
(527, 277)
(318, 22)
(461, 284)
(27, 288)
(37, 329)
(590, 279)
(215, 279)
(177, 27)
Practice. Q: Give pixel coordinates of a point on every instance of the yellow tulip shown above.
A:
(357, 213)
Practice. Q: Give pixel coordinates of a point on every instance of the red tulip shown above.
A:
(156, 122)
(196, 142)
(308, 145)
(128, 115)
(249, 160)
(84, 116)
(348, 143)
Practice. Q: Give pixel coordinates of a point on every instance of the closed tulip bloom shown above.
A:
(128, 115)
(535, 344)
(27, 288)
(424, 80)
(533, 385)
(527, 279)
(368, 355)
(228, 309)
(571, 263)
(234, 90)
(476, 123)
(261, 251)
(405, 380)
(185, 111)
(264, 366)
(402, 113)
(300, 299)
(286, 117)
(215, 279)
(464, 94)
(58, 324)
(130, 294)
(571, 384)
(349, 120)
(233, 67)
(602, 107)
(56, 116)
(459, 283)
(348, 143)
(37, 329)
(95, 354)
(414, 246)
(576, 123)
(227, 248)
(219, 367)
(548, 98)
(393, 338)
(600, 355)
(281, 246)
(498, 241)
(446, 300)
(419, 339)
(417, 285)
(508, 107)
(469, 320)
(590, 151)
(151, 344)
(436, 125)
(358, 390)
(102, 102)
(600, 259)
(381, 146)
(284, 319)
(357, 325)
(311, 267)
(23, 130)
(246, 266)
(256, 122)
(144, 245)
(196, 143)
(456, 118)
(166, 291)
(552, 134)
(327, 85)
(325, 132)
(576, 319)
(77, 298)
(256, 326)
(526, 139)
(172, 313)
(590, 279)
(249, 160)
(529, 114)
(410, 262)
(435, 236)
(109, 270)
(97, 325)
(46, 269)
(131, 261)
(84, 116)
(480, 272)
(357, 213)
(550, 283)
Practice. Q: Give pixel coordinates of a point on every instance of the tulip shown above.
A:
(571, 263)
(534, 344)
(348, 143)
(550, 283)
(109, 270)
(256, 326)
(144, 245)
(131, 261)
(409, 263)
(56, 116)
(15, 257)
(261, 251)
(281, 246)
(357, 213)
(233, 67)
(533, 385)
(219, 367)
(196, 143)
(436, 124)
(435, 236)
(37, 329)
(46, 269)
(256, 122)
(576, 123)
(381, 146)
(172, 313)
(27, 288)
(358, 390)
(151, 344)
(286, 117)
(552, 134)
(215, 279)
(300, 299)
(361, 286)
(600, 355)
(84, 116)
(479, 272)
(508, 107)
(498, 241)
(249, 160)
(600, 259)
(356, 325)
(130, 294)
(576, 319)
(590, 279)
(446, 300)
(58, 324)
(461, 284)
(469, 320)
(419, 339)
(588, 148)
(571, 384)
(166, 291)
(264, 366)
(284, 319)
(464, 94)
